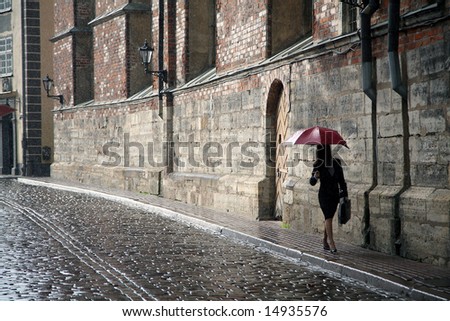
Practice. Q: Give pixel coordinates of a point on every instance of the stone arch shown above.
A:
(276, 130)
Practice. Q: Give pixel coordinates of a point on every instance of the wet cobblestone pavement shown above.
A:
(57, 245)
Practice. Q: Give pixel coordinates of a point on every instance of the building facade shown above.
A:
(26, 118)
(242, 76)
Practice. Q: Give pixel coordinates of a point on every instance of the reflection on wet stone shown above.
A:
(58, 245)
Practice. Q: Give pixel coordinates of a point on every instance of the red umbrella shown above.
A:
(317, 136)
(5, 110)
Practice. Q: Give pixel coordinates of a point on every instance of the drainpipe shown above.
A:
(393, 35)
(367, 74)
(370, 7)
(161, 49)
(366, 47)
(399, 87)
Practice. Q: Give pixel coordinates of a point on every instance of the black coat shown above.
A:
(332, 186)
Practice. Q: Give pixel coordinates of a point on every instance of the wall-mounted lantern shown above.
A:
(48, 86)
(146, 53)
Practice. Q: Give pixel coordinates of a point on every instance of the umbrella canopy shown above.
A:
(316, 136)
(5, 110)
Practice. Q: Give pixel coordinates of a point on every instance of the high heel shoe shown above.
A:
(333, 251)
(326, 246)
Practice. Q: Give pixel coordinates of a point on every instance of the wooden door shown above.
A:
(281, 155)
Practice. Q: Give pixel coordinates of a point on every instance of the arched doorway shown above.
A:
(276, 131)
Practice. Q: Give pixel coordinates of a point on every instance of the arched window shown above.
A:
(291, 21)
(350, 14)
(201, 47)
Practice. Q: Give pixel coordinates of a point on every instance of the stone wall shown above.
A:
(399, 177)
(116, 145)
(218, 157)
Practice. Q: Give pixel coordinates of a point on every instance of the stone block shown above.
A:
(344, 104)
(438, 207)
(382, 217)
(387, 200)
(444, 149)
(234, 103)
(246, 99)
(248, 185)
(432, 121)
(348, 78)
(359, 152)
(390, 150)
(349, 128)
(413, 63)
(288, 197)
(383, 71)
(364, 126)
(413, 204)
(433, 175)
(299, 89)
(258, 99)
(390, 125)
(235, 204)
(432, 58)
(381, 235)
(414, 122)
(425, 243)
(424, 149)
(384, 101)
(333, 79)
(253, 118)
(367, 173)
(418, 95)
(303, 191)
(388, 173)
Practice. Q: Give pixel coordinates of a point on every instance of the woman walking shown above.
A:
(332, 187)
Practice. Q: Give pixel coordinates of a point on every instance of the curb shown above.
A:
(340, 269)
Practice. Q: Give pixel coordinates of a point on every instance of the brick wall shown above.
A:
(63, 69)
(326, 13)
(64, 15)
(104, 6)
(110, 75)
(241, 33)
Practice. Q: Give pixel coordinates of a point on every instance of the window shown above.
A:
(202, 37)
(291, 21)
(6, 57)
(350, 13)
(5, 5)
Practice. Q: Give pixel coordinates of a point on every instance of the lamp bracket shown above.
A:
(57, 97)
(159, 73)
(48, 84)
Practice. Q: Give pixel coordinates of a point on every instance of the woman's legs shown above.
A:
(329, 233)
(328, 207)
(326, 246)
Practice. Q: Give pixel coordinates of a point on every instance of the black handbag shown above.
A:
(345, 210)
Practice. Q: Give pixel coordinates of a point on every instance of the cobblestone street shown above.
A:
(57, 245)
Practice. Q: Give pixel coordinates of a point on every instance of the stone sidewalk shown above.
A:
(418, 280)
